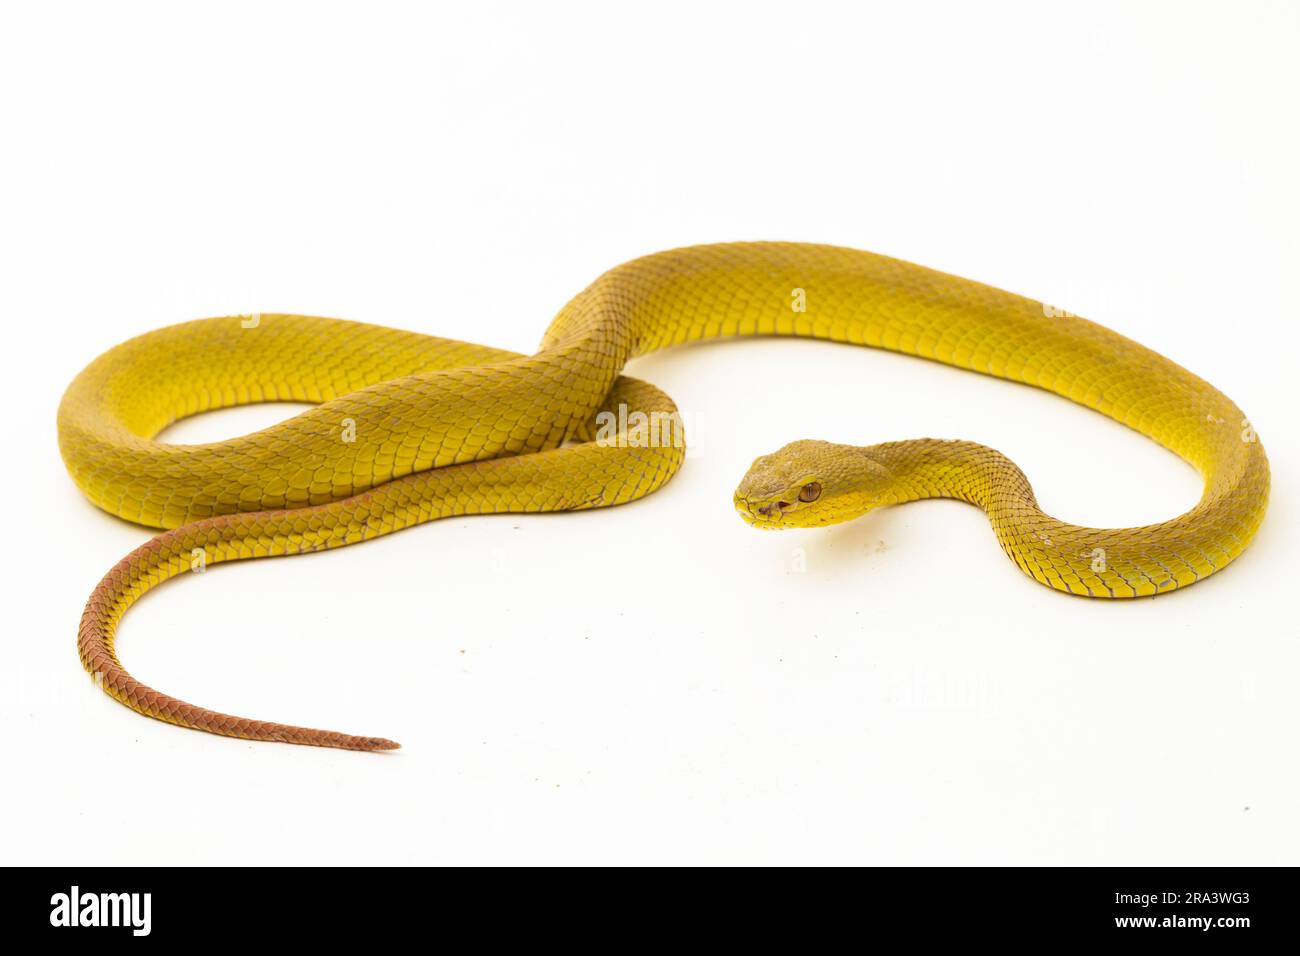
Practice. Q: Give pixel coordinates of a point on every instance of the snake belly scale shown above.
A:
(409, 428)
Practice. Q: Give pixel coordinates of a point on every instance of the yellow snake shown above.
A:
(411, 428)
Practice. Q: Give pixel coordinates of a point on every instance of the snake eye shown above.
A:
(811, 491)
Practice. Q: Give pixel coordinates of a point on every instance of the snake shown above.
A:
(406, 428)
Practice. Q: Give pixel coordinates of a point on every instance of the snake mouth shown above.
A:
(766, 515)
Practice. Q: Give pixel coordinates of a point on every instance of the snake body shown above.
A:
(409, 428)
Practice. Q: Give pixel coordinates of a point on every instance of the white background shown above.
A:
(659, 683)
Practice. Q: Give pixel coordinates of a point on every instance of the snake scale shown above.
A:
(410, 428)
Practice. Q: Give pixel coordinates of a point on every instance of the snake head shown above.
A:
(810, 483)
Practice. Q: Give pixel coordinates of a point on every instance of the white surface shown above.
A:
(657, 683)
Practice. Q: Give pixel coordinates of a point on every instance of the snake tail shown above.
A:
(603, 471)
